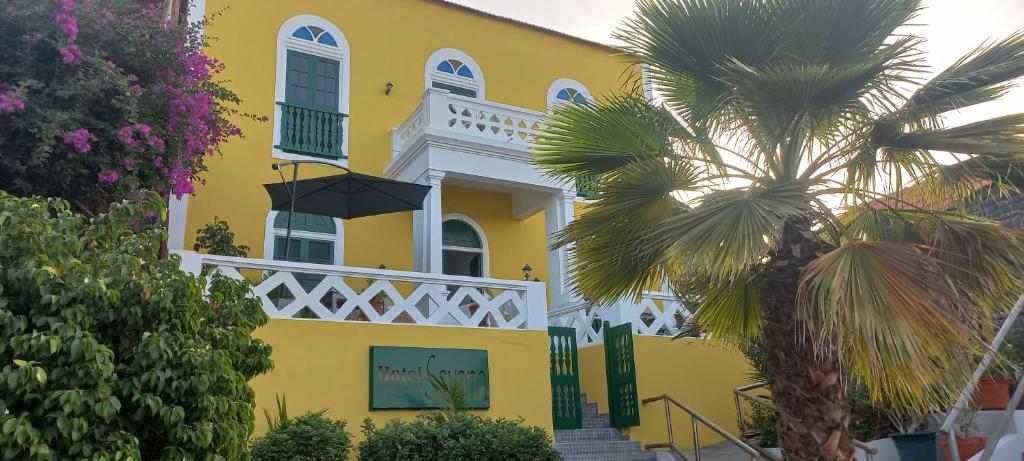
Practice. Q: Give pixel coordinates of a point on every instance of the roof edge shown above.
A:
(528, 25)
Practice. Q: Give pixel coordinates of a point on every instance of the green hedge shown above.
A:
(458, 437)
(308, 437)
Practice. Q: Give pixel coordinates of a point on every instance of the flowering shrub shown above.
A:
(99, 99)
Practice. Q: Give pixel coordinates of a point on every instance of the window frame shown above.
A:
(565, 83)
(485, 254)
(431, 74)
(337, 239)
(342, 54)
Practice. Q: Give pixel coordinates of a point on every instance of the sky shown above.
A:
(951, 28)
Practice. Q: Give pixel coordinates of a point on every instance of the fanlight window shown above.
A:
(571, 95)
(316, 35)
(455, 67)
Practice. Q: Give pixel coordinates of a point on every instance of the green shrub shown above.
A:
(456, 437)
(217, 239)
(108, 351)
(308, 437)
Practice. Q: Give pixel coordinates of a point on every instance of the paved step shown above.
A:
(597, 440)
(597, 447)
(585, 434)
(644, 456)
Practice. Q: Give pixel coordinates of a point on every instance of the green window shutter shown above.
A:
(306, 222)
(459, 234)
(457, 90)
(298, 89)
(325, 90)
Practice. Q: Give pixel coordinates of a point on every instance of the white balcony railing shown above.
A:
(655, 313)
(338, 293)
(443, 113)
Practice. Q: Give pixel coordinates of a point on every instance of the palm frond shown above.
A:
(898, 320)
(732, 229)
(729, 310)
(600, 137)
(985, 74)
(615, 229)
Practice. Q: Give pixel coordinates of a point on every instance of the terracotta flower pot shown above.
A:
(966, 447)
(992, 394)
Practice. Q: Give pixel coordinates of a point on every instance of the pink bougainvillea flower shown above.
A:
(107, 177)
(80, 139)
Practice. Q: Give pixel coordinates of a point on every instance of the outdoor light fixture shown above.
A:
(388, 87)
(526, 272)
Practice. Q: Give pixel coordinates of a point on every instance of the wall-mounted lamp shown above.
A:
(526, 272)
(388, 87)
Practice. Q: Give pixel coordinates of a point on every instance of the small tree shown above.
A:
(109, 352)
(217, 239)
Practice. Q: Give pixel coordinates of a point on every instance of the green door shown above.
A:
(621, 370)
(565, 379)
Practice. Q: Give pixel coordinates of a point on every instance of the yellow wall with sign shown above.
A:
(390, 41)
(699, 373)
(325, 365)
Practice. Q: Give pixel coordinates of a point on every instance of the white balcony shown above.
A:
(289, 290)
(479, 143)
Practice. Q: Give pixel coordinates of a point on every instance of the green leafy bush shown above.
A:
(456, 437)
(107, 351)
(217, 239)
(308, 437)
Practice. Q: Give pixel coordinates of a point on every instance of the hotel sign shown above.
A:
(400, 377)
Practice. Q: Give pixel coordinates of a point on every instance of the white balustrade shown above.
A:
(339, 293)
(654, 313)
(443, 113)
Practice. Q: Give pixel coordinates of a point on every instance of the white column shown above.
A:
(558, 212)
(177, 212)
(426, 225)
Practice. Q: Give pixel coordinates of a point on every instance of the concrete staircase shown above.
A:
(598, 440)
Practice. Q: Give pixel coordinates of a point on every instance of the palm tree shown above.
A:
(769, 181)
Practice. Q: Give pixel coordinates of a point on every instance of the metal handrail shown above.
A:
(869, 450)
(694, 418)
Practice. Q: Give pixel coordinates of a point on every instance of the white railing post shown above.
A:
(536, 306)
(191, 261)
(435, 109)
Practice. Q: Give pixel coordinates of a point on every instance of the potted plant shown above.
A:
(993, 390)
(965, 446)
(911, 444)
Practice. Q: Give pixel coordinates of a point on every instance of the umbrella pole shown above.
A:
(291, 213)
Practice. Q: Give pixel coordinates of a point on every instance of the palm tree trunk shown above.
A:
(808, 387)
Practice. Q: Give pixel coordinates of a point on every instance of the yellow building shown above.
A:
(426, 92)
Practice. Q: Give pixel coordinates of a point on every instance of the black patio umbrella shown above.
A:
(346, 196)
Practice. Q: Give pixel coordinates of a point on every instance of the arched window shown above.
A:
(567, 90)
(452, 70)
(312, 100)
(315, 239)
(463, 247)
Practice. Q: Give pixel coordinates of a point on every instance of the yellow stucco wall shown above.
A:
(390, 41)
(698, 373)
(325, 365)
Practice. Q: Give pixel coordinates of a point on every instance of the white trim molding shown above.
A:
(485, 263)
(269, 232)
(342, 53)
(561, 83)
(430, 73)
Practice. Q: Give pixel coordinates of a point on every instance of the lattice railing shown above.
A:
(339, 293)
(653, 314)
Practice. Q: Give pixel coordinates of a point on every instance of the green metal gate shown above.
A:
(565, 378)
(621, 370)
